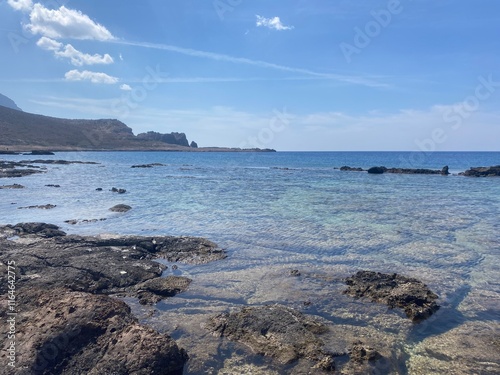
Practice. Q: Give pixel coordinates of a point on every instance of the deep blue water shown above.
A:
(283, 210)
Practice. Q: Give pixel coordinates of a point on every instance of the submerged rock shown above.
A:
(120, 208)
(41, 207)
(414, 297)
(276, 331)
(351, 169)
(482, 172)
(154, 290)
(119, 191)
(14, 186)
(39, 152)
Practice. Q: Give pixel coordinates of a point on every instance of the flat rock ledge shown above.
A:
(278, 332)
(67, 322)
(414, 297)
(482, 172)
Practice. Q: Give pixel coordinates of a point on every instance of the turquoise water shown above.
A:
(277, 211)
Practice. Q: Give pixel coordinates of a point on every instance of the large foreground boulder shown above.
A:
(65, 332)
(275, 331)
(413, 296)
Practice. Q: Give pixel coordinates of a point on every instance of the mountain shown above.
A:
(27, 131)
(8, 102)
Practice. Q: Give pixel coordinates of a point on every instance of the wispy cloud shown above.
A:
(76, 57)
(125, 87)
(263, 64)
(94, 77)
(65, 23)
(272, 23)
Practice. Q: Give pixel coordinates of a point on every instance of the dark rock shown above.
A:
(42, 207)
(66, 332)
(40, 152)
(6, 152)
(61, 162)
(351, 169)
(358, 352)
(148, 165)
(275, 331)
(175, 267)
(119, 191)
(16, 169)
(380, 170)
(294, 273)
(377, 170)
(51, 185)
(72, 222)
(98, 189)
(414, 297)
(120, 208)
(482, 172)
(154, 290)
(85, 221)
(193, 144)
(39, 229)
(14, 186)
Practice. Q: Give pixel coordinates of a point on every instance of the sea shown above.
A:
(278, 211)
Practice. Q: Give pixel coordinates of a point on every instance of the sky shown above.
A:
(293, 75)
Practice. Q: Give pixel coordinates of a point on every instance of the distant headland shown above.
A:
(21, 131)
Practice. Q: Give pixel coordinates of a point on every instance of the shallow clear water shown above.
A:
(278, 211)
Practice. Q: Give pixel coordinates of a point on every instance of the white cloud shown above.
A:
(94, 77)
(23, 5)
(76, 57)
(49, 44)
(272, 23)
(65, 23)
(125, 87)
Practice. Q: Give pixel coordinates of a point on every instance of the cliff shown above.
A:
(8, 102)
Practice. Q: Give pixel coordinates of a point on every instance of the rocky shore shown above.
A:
(69, 319)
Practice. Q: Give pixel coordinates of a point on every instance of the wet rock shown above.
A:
(120, 208)
(148, 165)
(39, 229)
(61, 162)
(84, 221)
(377, 170)
(275, 331)
(294, 273)
(14, 186)
(98, 189)
(65, 332)
(358, 352)
(16, 172)
(414, 297)
(41, 207)
(380, 170)
(351, 169)
(119, 191)
(154, 290)
(39, 152)
(52, 185)
(482, 172)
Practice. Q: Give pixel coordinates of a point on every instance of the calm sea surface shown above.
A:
(278, 211)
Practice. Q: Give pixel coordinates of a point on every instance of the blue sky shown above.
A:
(416, 75)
